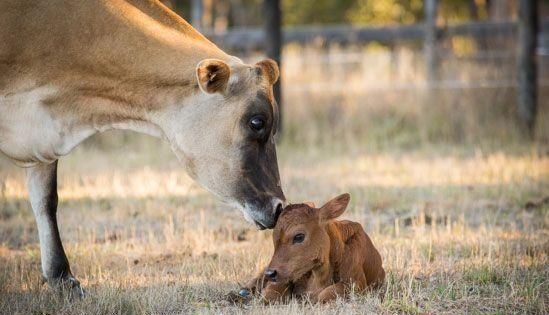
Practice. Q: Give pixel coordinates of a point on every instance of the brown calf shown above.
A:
(318, 257)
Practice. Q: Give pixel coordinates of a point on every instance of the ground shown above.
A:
(460, 230)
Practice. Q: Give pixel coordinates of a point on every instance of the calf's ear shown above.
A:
(334, 208)
(213, 75)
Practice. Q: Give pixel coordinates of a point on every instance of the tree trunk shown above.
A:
(473, 10)
(430, 7)
(197, 11)
(273, 43)
(527, 72)
(498, 10)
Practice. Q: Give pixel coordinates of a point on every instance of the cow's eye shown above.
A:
(257, 123)
(298, 238)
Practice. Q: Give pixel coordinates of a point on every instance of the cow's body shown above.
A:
(329, 259)
(70, 69)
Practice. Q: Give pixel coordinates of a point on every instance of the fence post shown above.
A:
(197, 11)
(527, 72)
(273, 44)
(429, 45)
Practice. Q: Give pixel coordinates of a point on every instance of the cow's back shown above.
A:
(48, 40)
(40, 36)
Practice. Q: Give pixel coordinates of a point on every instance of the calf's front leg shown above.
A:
(330, 293)
(42, 186)
(255, 285)
(276, 292)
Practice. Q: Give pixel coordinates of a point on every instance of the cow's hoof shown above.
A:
(75, 289)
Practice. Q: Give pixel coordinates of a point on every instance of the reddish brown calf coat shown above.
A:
(318, 257)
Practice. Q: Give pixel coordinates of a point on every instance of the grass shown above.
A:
(454, 198)
(459, 233)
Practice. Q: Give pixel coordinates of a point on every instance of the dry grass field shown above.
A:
(465, 232)
(454, 199)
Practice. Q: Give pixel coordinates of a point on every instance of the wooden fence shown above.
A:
(250, 39)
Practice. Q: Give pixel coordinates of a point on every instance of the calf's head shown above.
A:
(300, 239)
(225, 136)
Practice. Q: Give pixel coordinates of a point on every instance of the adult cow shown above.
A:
(70, 69)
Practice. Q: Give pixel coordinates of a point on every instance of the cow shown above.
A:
(72, 69)
(316, 257)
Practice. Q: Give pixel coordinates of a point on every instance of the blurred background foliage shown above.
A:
(377, 94)
(356, 12)
(385, 12)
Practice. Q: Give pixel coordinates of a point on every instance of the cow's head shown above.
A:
(225, 136)
(301, 241)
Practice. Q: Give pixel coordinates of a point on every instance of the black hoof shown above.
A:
(244, 292)
(69, 287)
(75, 289)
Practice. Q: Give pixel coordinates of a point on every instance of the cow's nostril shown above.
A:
(271, 274)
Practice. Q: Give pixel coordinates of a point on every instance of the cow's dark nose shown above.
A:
(278, 210)
(270, 274)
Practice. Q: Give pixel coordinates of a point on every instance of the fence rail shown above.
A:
(246, 39)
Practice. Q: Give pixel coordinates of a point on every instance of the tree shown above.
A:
(273, 41)
(527, 73)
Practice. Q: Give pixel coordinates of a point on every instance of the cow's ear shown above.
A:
(334, 208)
(213, 75)
(269, 69)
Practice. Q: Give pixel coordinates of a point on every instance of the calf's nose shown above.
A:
(270, 274)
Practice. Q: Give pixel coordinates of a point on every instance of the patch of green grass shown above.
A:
(401, 307)
(483, 275)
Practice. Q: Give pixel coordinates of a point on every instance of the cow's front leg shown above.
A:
(42, 186)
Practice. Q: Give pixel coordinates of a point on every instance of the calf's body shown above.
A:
(318, 257)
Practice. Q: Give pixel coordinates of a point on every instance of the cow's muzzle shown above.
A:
(267, 218)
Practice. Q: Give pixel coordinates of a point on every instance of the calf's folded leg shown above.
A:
(353, 279)
(330, 293)
(257, 284)
(275, 292)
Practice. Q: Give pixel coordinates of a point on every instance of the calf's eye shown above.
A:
(298, 238)
(257, 123)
